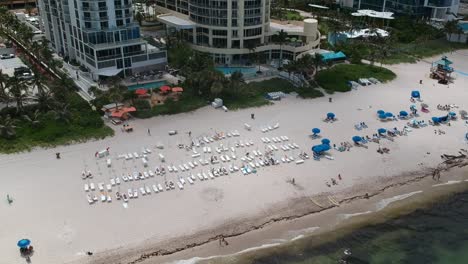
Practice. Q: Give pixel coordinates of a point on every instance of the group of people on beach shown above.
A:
(333, 181)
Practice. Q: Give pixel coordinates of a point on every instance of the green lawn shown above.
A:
(258, 91)
(186, 103)
(335, 78)
(409, 53)
(84, 124)
(293, 15)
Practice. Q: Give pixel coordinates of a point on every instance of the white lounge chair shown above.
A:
(86, 187)
(180, 185)
(101, 186)
(147, 189)
(299, 161)
(151, 173)
(205, 177)
(109, 163)
(136, 155)
(190, 180)
(109, 187)
(91, 186)
(142, 190)
(160, 188)
(155, 188)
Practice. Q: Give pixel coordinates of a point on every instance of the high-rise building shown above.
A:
(440, 10)
(231, 29)
(100, 34)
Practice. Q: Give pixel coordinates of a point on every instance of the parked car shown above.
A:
(7, 56)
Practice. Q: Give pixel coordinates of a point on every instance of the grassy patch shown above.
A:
(186, 103)
(409, 53)
(293, 15)
(84, 124)
(335, 78)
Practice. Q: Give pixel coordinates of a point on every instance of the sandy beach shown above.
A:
(51, 209)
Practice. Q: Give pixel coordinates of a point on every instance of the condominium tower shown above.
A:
(231, 29)
(100, 34)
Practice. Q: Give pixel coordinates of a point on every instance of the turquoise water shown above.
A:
(231, 70)
(434, 235)
(147, 86)
(463, 26)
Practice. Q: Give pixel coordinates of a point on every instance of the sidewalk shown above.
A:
(83, 82)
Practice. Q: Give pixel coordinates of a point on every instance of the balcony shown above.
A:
(90, 19)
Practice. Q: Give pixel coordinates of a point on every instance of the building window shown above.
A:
(87, 24)
(119, 22)
(234, 33)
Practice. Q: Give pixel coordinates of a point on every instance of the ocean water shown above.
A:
(437, 234)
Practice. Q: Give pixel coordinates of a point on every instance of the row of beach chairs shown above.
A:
(274, 139)
(269, 128)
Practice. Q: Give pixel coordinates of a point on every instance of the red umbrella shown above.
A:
(141, 91)
(165, 88)
(177, 89)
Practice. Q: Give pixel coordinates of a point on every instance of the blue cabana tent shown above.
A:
(388, 114)
(403, 113)
(415, 94)
(330, 115)
(379, 112)
(315, 131)
(452, 113)
(333, 56)
(357, 138)
(382, 116)
(382, 130)
(435, 119)
(326, 141)
(320, 148)
(443, 118)
(24, 243)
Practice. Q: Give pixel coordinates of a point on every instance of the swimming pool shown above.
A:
(147, 86)
(463, 26)
(231, 70)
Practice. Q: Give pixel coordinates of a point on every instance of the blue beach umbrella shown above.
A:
(388, 114)
(382, 116)
(23, 243)
(415, 94)
(357, 138)
(331, 115)
(452, 114)
(382, 130)
(315, 130)
(317, 148)
(403, 113)
(380, 112)
(325, 147)
(435, 119)
(326, 141)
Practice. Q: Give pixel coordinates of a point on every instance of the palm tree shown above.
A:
(317, 60)
(236, 80)
(62, 113)
(7, 127)
(139, 18)
(216, 88)
(281, 39)
(34, 118)
(45, 100)
(116, 91)
(19, 92)
(451, 27)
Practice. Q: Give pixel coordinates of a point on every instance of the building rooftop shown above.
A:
(176, 22)
(289, 28)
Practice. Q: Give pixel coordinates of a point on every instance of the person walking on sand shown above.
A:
(190, 133)
(339, 177)
(149, 132)
(9, 199)
(252, 116)
(330, 100)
